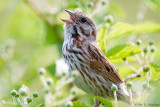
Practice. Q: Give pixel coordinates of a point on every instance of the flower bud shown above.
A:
(42, 105)
(24, 91)
(114, 88)
(109, 19)
(17, 95)
(90, 4)
(145, 85)
(46, 91)
(145, 50)
(13, 92)
(41, 71)
(63, 74)
(124, 59)
(153, 49)
(68, 104)
(74, 74)
(35, 94)
(49, 81)
(138, 42)
(29, 99)
(150, 42)
(146, 68)
(129, 85)
(74, 91)
(104, 2)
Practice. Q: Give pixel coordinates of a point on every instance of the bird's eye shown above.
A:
(83, 20)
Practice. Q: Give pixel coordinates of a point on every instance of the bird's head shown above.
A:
(81, 24)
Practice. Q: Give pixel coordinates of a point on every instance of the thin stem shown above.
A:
(152, 57)
(19, 101)
(105, 46)
(69, 98)
(48, 99)
(131, 99)
(43, 80)
(64, 82)
(115, 99)
(138, 58)
(148, 76)
(142, 9)
(142, 94)
(24, 101)
(134, 69)
(13, 99)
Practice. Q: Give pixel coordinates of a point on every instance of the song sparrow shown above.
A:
(81, 53)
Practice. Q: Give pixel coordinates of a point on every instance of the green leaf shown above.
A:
(102, 32)
(51, 35)
(102, 45)
(78, 104)
(115, 50)
(155, 71)
(156, 67)
(123, 51)
(120, 29)
(119, 11)
(106, 102)
(147, 27)
(123, 29)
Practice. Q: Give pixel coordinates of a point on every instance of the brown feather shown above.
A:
(103, 66)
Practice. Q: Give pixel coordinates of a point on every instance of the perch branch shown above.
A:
(132, 77)
(41, 15)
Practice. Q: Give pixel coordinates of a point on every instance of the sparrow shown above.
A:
(82, 53)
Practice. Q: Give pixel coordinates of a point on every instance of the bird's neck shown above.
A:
(73, 32)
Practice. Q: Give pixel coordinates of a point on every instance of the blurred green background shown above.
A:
(31, 36)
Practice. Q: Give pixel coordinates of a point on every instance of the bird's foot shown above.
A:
(96, 105)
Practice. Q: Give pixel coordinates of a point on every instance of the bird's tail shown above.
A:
(123, 94)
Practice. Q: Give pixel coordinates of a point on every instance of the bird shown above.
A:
(82, 53)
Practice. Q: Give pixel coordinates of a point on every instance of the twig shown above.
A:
(69, 98)
(138, 58)
(132, 77)
(134, 69)
(41, 15)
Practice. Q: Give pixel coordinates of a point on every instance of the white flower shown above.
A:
(61, 67)
(24, 90)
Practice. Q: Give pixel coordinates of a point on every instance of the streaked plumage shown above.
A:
(81, 53)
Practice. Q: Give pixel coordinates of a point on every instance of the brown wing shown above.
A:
(101, 65)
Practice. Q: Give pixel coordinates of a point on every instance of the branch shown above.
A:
(132, 77)
(42, 16)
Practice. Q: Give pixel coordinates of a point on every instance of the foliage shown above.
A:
(79, 104)
(123, 29)
(106, 102)
(123, 51)
(31, 36)
(155, 66)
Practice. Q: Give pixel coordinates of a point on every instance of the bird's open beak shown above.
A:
(72, 17)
